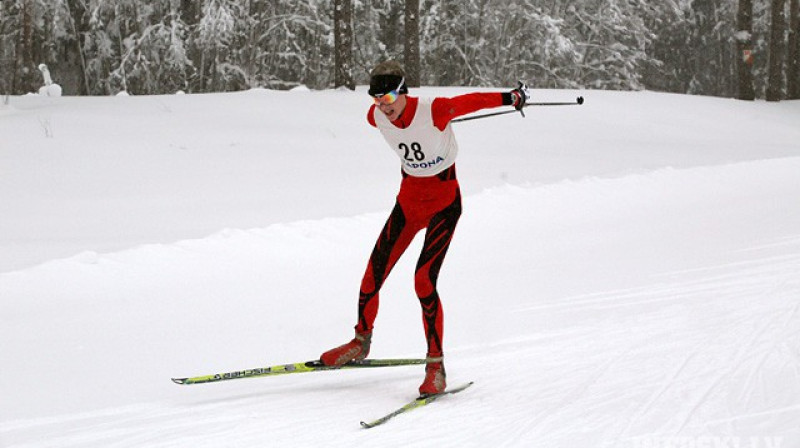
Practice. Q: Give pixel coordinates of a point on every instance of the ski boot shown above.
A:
(355, 350)
(435, 377)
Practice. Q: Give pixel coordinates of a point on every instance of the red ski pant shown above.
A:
(433, 203)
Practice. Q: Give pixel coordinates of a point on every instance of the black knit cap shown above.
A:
(385, 77)
(382, 84)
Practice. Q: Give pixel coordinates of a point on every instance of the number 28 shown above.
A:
(415, 150)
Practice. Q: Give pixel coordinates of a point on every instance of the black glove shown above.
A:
(520, 96)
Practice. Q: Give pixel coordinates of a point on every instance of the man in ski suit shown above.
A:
(419, 131)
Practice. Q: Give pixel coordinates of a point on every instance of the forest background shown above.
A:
(746, 48)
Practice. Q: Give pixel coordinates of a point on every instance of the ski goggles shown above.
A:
(389, 98)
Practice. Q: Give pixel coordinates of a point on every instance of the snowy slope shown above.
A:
(624, 275)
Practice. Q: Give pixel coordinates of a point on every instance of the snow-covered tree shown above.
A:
(154, 56)
(216, 34)
(377, 27)
(158, 46)
(293, 44)
(693, 47)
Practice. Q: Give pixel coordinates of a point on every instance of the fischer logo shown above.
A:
(424, 165)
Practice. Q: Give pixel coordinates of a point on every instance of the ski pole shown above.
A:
(577, 102)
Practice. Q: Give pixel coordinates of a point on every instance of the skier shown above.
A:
(419, 131)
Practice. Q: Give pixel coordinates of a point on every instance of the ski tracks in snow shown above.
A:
(707, 347)
(690, 357)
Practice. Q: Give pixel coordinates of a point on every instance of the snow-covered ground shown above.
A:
(625, 273)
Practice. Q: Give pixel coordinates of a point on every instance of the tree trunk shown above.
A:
(343, 44)
(775, 81)
(78, 26)
(411, 55)
(24, 66)
(744, 47)
(190, 11)
(793, 56)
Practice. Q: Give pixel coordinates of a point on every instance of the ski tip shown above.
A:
(179, 380)
(458, 389)
(365, 425)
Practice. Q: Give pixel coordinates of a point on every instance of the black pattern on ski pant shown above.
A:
(432, 203)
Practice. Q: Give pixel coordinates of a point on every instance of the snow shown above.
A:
(624, 274)
(49, 88)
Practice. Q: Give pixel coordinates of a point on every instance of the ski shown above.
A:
(298, 367)
(417, 403)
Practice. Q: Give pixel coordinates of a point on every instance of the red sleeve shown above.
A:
(371, 116)
(446, 109)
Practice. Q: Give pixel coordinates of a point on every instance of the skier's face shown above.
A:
(394, 110)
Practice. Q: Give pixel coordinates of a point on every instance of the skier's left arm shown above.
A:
(446, 109)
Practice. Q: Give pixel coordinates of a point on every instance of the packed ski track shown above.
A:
(624, 274)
